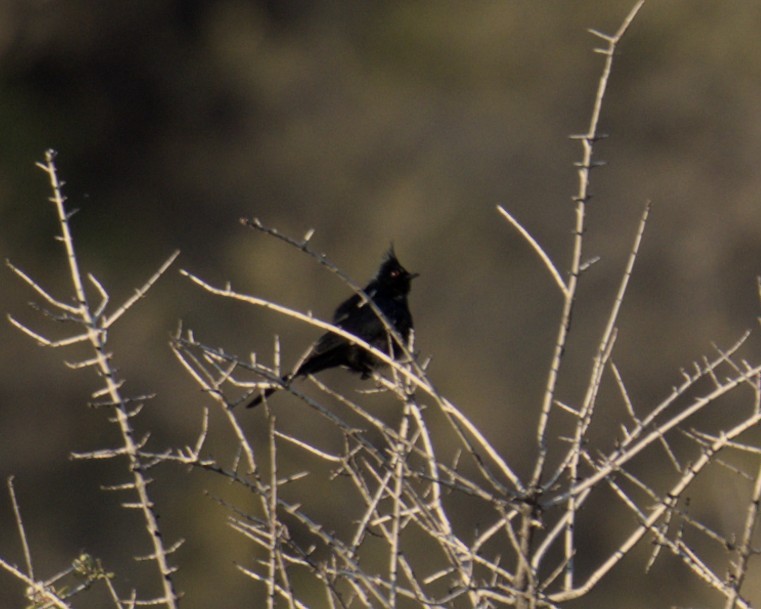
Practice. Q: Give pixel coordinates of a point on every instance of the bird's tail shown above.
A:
(269, 391)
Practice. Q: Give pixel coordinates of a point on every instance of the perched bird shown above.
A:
(389, 292)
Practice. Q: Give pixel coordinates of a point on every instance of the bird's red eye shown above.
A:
(395, 273)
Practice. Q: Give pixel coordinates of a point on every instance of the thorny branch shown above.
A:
(413, 479)
(411, 483)
(94, 324)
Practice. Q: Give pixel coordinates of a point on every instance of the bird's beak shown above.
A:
(413, 275)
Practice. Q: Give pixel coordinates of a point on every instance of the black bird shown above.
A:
(389, 292)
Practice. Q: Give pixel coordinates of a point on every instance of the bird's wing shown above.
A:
(354, 317)
(354, 303)
(346, 309)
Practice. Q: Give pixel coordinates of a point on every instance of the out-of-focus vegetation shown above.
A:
(369, 122)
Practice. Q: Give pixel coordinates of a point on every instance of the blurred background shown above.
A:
(370, 123)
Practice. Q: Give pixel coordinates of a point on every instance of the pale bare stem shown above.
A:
(118, 603)
(553, 576)
(637, 442)
(691, 559)
(438, 513)
(569, 545)
(659, 529)
(371, 499)
(413, 508)
(356, 579)
(397, 466)
(210, 378)
(430, 515)
(738, 368)
(227, 292)
(56, 591)
(498, 573)
(37, 592)
(571, 464)
(745, 550)
(432, 469)
(40, 593)
(195, 452)
(624, 392)
(321, 258)
(704, 439)
(707, 369)
(44, 341)
(376, 422)
(20, 527)
(700, 568)
(272, 521)
(71, 310)
(460, 425)
(281, 592)
(451, 480)
(526, 584)
(543, 256)
(322, 454)
(141, 291)
(204, 378)
(687, 521)
(740, 446)
(671, 455)
(282, 566)
(95, 332)
(416, 375)
(410, 509)
(145, 504)
(657, 512)
(538, 556)
(710, 446)
(63, 217)
(209, 373)
(416, 589)
(459, 422)
(98, 311)
(609, 334)
(638, 424)
(581, 198)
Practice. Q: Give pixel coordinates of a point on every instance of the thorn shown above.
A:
(591, 165)
(599, 34)
(585, 265)
(588, 137)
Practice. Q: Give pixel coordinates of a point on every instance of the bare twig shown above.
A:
(95, 326)
(544, 257)
(582, 196)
